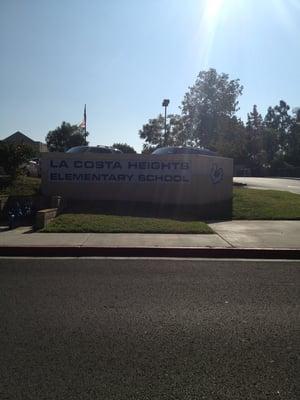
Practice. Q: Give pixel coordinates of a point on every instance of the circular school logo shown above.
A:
(216, 174)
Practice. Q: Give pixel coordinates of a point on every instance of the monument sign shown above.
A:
(179, 180)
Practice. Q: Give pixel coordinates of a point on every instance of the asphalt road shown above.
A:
(148, 329)
(289, 185)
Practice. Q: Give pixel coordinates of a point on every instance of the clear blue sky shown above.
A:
(122, 57)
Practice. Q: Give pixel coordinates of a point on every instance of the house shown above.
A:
(20, 138)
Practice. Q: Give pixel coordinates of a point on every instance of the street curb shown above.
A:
(177, 252)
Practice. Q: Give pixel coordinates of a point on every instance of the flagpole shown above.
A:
(85, 122)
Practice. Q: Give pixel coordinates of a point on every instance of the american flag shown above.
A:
(83, 122)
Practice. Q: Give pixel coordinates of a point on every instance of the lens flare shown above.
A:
(213, 9)
(212, 13)
(217, 16)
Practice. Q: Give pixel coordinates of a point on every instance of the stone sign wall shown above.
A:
(180, 180)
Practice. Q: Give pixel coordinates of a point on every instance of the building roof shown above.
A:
(19, 137)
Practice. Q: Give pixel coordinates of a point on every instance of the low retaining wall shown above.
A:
(43, 217)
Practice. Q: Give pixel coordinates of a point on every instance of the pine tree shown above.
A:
(254, 121)
(279, 120)
(254, 140)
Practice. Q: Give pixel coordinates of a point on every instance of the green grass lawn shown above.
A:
(117, 224)
(247, 204)
(22, 186)
(265, 204)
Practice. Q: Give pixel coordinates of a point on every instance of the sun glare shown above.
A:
(217, 16)
(213, 8)
(211, 14)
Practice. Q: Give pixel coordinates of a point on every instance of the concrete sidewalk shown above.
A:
(229, 234)
(259, 234)
(23, 237)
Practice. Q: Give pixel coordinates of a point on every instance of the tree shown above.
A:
(293, 150)
(65, 136)
(12, 156)
(205, 110)
(296, 111)
(124, 147)
(176, 134)
(231, 142)
(254, 121)
(256, 156)
(208, 103)
(154, 132)
(279, 120)
(270, 145)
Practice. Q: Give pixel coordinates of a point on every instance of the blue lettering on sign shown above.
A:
(109, 164)
(163, 178)
(77, 164)
(58, 164)
(172, 165)
(128, 171)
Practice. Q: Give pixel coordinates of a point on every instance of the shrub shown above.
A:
(12, 156)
